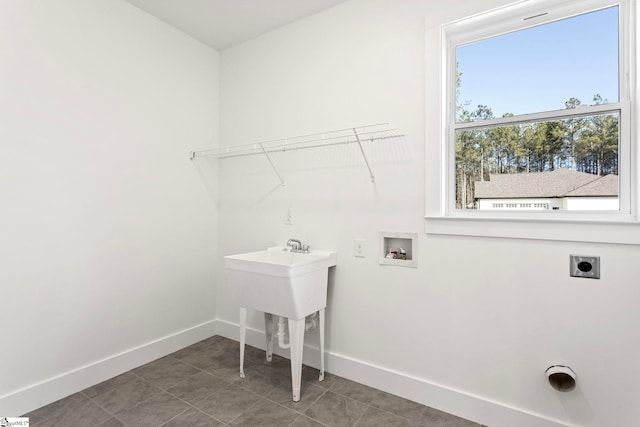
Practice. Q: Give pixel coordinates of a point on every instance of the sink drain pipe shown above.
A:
(281, 333)
(311, 322)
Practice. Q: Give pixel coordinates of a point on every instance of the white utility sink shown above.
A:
(283, 283)
(276, 281)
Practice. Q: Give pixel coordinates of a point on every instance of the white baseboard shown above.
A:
(49, 390)
(477, 408)
(465, 405)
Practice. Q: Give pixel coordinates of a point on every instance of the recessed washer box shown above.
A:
(586, 266)
(391, 244)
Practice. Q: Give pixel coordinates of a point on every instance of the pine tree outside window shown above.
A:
(537, 111)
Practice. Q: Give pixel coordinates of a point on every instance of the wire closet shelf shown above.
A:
(354, 135)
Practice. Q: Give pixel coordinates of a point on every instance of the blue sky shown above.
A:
(540, 68)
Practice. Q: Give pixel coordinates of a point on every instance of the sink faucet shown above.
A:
(296, 245)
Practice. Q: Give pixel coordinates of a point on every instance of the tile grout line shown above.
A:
(295, 410)
(247, 409)
(191, 406)
(368, 405)
(201, 400)
(393, 413)
(138, 404)
(312, 419)
(209, 415)
(371, 405)
(314, 402)
(160, 390)
(176, 416)
(103, 408)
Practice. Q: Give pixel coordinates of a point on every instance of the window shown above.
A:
(538, 110)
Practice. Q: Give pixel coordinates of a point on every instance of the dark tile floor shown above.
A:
(200, 386)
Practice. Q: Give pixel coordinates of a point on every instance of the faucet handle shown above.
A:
(305, 248)
(294, 243)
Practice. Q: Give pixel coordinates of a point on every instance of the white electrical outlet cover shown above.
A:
(359, 248)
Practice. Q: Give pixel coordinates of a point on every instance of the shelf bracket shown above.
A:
(364, 156)
(272, 165)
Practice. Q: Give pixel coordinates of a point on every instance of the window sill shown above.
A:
(617, 232)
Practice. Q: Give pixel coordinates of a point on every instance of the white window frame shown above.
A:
(512, 18)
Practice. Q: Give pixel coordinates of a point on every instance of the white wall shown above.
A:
(107, 231)
(592, 203)
(474, 327)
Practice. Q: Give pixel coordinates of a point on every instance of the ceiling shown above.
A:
(224, 23)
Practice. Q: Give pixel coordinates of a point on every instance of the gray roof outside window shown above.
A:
(557, 183)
